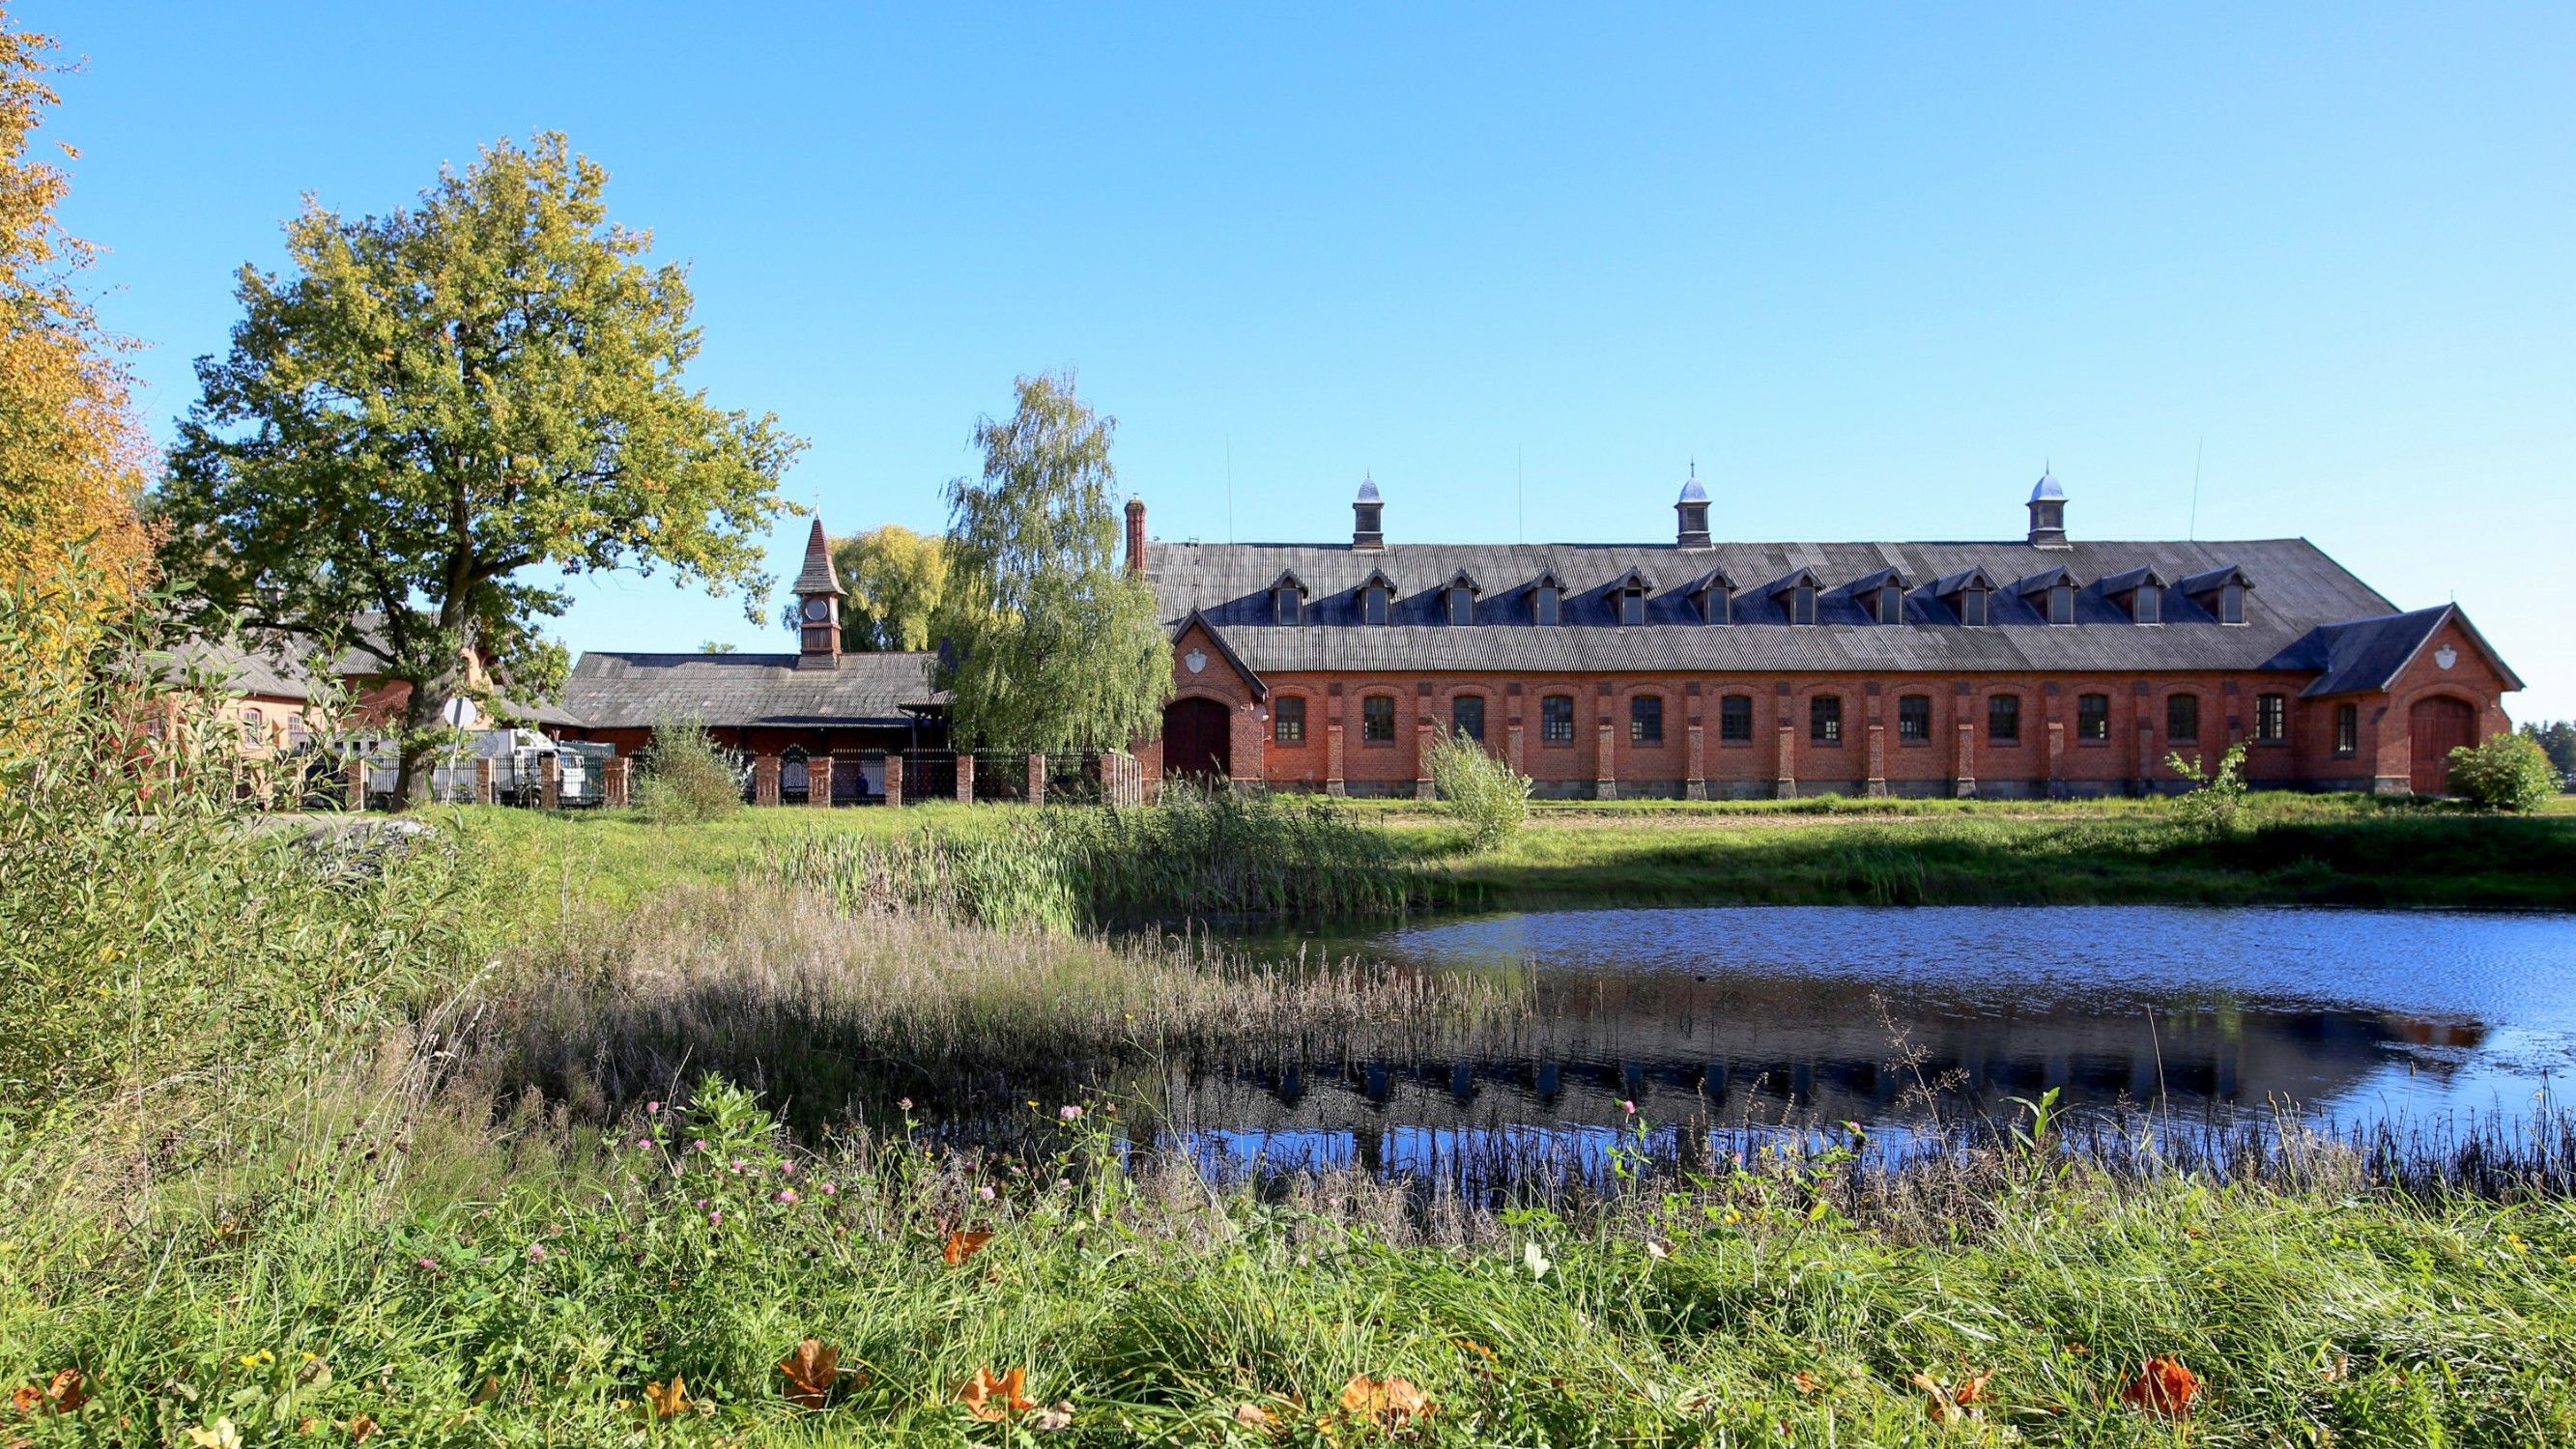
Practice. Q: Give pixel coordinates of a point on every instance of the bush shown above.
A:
(2215, 805)
(1487, 796)
(2507, 772)
(688, 778)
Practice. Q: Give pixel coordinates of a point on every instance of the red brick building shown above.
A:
(2044, 666)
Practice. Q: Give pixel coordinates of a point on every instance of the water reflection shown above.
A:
(1742, 1017)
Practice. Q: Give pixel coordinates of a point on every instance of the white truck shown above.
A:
(518, 769)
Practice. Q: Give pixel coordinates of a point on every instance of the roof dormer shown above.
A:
(2139, 593)
(1288, 598)
(1714, 593)
(1881, 595)
(1627, 595)
(1547, 598)
(1377, 598)
(1458, 598)
(1797, 595)
(2221, 591)
(2052, 592)
(1966, 593)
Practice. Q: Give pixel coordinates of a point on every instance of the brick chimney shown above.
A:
(1135, 538)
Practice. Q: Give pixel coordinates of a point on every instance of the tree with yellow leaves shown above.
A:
(73, 457)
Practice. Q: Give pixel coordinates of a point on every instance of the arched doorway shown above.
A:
(2437, 726)
(1196, 740)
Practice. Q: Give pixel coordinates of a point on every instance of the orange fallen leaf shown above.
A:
(361, 1429)
(1808, 1384)
(962, 1246)
(1950, 1404)
(68, 1391)
(2164, 1388)
(669, 1400)
(1253, 1416)
(1387, 1403)
(25, 1398)
(811, 1371)
(995, 1399)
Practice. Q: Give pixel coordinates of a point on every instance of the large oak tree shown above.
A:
(431, 405)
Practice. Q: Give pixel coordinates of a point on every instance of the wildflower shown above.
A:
(652, 1109)
(738, 1165)
(904, 1102)
(787, 1195)
(643, 1141)
(536, 1252)
(425, 1264)
(1068, 1112)
(700, 1145)
(1630, 1108)
(787, 1169)
(985, 1192)
(716, 1219)
(827, 1188)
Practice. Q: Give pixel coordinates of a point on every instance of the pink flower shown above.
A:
(1068, 1112)
(652, 1109)
(738, 1166)
(904, 1102)
(716, 1219)
(985, 1192)
(787, 1169)
(426, 1264)
(787, 1195)
(643, 1141)
(1628, 1107)
(536, 1252)
(698, 1146)
(828, 1188)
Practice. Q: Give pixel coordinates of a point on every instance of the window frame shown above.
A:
(2092, 719)
(2271, 719)
(1547, 606)
(1645, 719)
(1732, 708)
(1377, 605)
(1377, 711)
(2004, 708)
(2347, 729)
(1632, 608)
(1460, 606)
(2231, 604)
(2147, 605)
(1288, 607)
(1459, 727)
(1891, 604)
(254, 727)
(1288, 720)
(1914, 711)
(1824, 719)
(1717, 605)
(1973, 608)
(1553, 731)
(2190, 701)
(1802, 604)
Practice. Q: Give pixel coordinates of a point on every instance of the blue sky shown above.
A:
(1871, 267)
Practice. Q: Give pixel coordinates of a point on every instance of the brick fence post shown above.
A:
(1605, 764)
(613, 792)
(551, 777)
(358, 783)
(1037, 779)
(894, 779)
(1695, 787)
(1422, 755)
(764, 779)
(818, 782)
(483, 782)
(965, 778)
(1964, 765)
(1333, 759)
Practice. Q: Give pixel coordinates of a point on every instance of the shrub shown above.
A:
(2215, 805)
(688, 778)
(1487, 796)
(2506, 772)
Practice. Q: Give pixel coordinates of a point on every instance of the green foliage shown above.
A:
(1055, 648)
(435, 401)
(1484, 794)
(2557, 738)
(2215, 805)
(895, 579)
(687, 778)
(2503, 772)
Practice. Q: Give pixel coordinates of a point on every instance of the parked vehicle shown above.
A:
(518, 759)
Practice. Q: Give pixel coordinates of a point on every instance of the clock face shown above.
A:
(818, 610)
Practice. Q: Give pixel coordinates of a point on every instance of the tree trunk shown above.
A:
(424, 719)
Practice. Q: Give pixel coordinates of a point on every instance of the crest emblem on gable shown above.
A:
(2445, 657)
(1195, 660)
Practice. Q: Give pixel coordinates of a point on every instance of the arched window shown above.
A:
(1972, 607)
(1735, 719)
(1646, 719)
(1467, 716)
(2003, 719)
(2061, 603)
(1376, 603)
(1377, 720)
(254, 726)
(1802, 604)
(1913, 719)
(296, 731)
(1891, 605)
(1462, 604)
(2093, 717)
(1546, 604)
(1632, 606)
(1556, 719)
(2182, 719)
(794, 778)
(1825, 719)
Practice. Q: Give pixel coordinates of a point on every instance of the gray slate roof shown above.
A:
(609, 690)
(2297, 591)
(2367, 654)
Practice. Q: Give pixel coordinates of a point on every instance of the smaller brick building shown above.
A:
(2040, 666)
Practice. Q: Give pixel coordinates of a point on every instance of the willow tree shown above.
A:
(1049, 643)
(435, 405)
(73, 456)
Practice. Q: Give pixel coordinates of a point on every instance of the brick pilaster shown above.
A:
(1963, 759)
(894, 778)
(1605, 763)
(613, 791)
(550, 781)
(1696, 764)
(483, 781)
(818, 782)
(1037, 779)
(1422, 750)
(1333, 757)
(764, 779)
(357, 786)
(965, 778)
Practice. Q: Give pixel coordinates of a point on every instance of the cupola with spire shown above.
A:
(1692, 512)
(818, 605)
(1367, 531)
(2048, 512)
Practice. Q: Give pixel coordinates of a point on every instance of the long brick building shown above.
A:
(2047, 665)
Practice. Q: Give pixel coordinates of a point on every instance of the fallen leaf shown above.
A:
(25, 1398)
(1058, 1415)
(488, 1390)
(361, 1429)
(668, 1401)
(2164, 1388)
(962, 1246)
(1951, 1404)
(68, 1391)
(1387, 1403)
(1808, 1384)
(994, 1399)
(1253, 1416)
(811, 1371)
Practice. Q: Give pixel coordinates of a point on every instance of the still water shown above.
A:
(1755, 1015)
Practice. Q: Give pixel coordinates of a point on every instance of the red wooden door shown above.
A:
(2438, 726)
(1195, 739)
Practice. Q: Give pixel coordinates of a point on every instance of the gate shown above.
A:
(2434, 728)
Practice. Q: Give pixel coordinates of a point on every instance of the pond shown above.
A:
(1759, 1016)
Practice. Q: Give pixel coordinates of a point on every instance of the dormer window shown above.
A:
(1891, 604)
(2140, 593)
(1797, 596)
(1716, 596)
(1376, 601)
(2052, 593)
(2221, 591)
(1458, 599)
(1628, 598)
(1972, 607)
(1547, 599)
(1965, 593)
(2147, 606)
(1288, 600)
(2061, 603)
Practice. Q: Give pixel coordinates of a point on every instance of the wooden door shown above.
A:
(2436, 727)
(1195, 739)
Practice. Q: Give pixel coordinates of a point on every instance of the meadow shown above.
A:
(491, 1137)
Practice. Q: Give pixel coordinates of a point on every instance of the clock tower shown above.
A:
(818, 605)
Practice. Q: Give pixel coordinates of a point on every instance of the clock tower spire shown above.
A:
(818, 605)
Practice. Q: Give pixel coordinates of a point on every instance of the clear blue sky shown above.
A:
(1871, 268)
